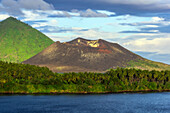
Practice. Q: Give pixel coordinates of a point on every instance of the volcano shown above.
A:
(81, 55)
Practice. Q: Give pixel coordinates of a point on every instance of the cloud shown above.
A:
(96, 34)
(158, 45)
(89, 8)
(120, 7)
(156, 25)
(31, 15)
(106, 12)
(89, 13)
(132, 2)
(35, 4)
(14, 6)
(55, 37)
(160, 29)
(157, 19)
(154, 21)
(74, 32)
(3, 16)
(78, 13)
(55, 13)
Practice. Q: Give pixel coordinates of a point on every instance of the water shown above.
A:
(103, 103)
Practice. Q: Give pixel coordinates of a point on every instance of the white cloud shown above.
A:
(124, 17)
(152, 26)
(75, 32)
(106, 12)
(78, 13)
(156, 31)
(33, 15)
(57, 13)
(157, 19)
(39, 24)
(3, 16)
(153, 22)
(158, 45)
(95, 34)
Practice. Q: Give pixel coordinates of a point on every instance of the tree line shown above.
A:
(25, 78)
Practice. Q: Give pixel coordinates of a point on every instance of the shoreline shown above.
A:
(82, 93)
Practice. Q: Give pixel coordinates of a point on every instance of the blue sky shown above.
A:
(142, 26)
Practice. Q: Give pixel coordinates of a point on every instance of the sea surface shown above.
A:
(99, 103)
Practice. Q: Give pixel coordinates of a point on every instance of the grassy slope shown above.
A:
(19, 41)
(148, 65)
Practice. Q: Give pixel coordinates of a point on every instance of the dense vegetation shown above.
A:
(19, 41)
(24, 78)
(147, 65)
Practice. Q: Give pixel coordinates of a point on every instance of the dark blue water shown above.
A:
(105, 103)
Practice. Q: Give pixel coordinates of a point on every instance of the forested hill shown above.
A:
(25, 78)
(19, 41)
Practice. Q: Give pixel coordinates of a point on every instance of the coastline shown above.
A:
(56, 93)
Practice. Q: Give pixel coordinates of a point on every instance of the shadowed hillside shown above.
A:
(19, 41)
(83, 55)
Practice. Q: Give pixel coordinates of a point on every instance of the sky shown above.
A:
(142, 26)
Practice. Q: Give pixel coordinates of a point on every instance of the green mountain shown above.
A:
(19, 41)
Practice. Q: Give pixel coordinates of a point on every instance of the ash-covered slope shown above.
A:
(82, 55)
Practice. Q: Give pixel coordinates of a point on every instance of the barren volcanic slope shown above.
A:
(82, 55)
(19, 41)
